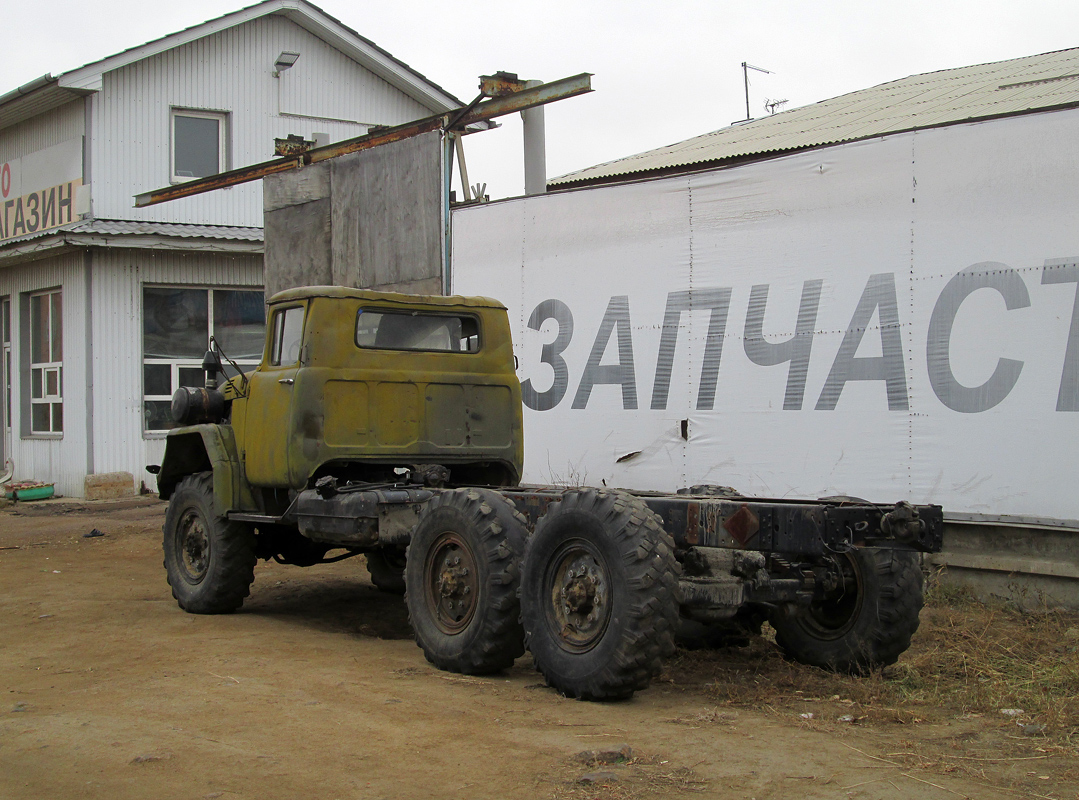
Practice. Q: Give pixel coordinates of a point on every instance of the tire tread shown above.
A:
(651, 574)
(232, 569)
(499, 530)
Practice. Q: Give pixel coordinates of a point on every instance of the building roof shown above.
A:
(132, 234)
(984, 91)
(47, 92)
(118, 227)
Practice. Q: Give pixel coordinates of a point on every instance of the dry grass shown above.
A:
(968, 659)
(636, 779)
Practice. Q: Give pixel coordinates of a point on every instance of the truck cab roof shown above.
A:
(395, 298)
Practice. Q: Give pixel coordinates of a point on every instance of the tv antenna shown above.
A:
(745, 74)
(772, 105)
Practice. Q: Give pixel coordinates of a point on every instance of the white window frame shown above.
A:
(222, 118)
(52, 368)
(177, 364)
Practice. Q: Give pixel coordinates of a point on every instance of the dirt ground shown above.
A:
(316, 689)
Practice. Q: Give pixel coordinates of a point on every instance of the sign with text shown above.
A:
(892, 319)
(38, 191)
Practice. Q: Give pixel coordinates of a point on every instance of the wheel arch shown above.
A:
(202, 448)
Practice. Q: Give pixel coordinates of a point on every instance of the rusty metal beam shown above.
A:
(479, 112)
(256, 171)
(529, 98)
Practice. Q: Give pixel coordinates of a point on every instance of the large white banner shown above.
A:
(891, 319)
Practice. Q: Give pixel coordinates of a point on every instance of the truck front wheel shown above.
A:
(462, 572)
(864, 618)
(209, 561)
(599, 595)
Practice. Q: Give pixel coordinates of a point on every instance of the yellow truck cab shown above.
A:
(356, 384)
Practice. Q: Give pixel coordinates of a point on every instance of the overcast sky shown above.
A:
(663, 71)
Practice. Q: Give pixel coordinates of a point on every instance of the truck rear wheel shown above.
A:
(599, 595)
(865, 621)
(387, 569)
(209, 561)
(461, 577)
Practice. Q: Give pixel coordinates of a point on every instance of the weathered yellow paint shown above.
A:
(267, 408)
(352, 404)
(200, 447)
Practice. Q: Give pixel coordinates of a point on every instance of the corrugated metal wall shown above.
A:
(118, 278)
(61, 460)
(45, 130)
(229, 71)
(106, 402)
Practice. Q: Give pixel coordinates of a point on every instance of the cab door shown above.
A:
(269, 405)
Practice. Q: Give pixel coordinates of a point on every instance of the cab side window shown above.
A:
(287, 336)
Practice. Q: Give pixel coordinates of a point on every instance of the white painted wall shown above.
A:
(228, 71)
(60, 459)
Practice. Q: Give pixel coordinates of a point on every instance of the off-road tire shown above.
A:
(864, 631)
(209, 561)
(477, 631)
(612, 645)
(387, 570)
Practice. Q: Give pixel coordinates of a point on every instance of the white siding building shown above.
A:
(106, 308)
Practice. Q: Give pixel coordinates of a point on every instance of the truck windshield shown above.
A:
(397, 330)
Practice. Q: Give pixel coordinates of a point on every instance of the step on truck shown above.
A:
(390, 426)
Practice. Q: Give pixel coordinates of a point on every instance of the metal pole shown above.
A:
(466, 192)
(745, 75)
(535, 147)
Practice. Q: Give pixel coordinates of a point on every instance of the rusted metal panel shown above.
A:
(291, 145)
(742, 525)
(693, 522)
(501, 83)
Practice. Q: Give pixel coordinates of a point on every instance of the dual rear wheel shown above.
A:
(595, 600)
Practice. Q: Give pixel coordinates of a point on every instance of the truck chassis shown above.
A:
(594, 582)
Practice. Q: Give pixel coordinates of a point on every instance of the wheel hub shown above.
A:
(452, 583)
(194, 546)
(580, 594)
(835, 610)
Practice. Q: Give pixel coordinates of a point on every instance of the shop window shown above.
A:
(199, 144)
(46, 363)
(177, 324)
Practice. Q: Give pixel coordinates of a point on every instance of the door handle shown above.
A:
(287, 381)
